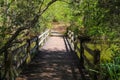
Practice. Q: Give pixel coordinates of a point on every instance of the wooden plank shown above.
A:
(47, 31)
(42, 40)
(91, 52)
(21, 61)
(20, 49)
(17, 52)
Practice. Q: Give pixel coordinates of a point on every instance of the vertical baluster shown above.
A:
(96, 63)
(81, 54)
(28, 51)
(72, 40)
(28, 47)
(5, 64)
(37, 43)
(75, 42)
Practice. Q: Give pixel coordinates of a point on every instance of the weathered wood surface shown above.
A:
(15, 59)
(53, 62)
(25, 49)
(74, 41)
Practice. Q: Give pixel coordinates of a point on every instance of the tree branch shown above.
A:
(8, 43)
(48, 5)
(27, 26)
(64, 1)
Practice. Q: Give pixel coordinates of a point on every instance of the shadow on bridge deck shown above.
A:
(50, 64)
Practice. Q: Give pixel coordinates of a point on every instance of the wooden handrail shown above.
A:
(90, 51)
(47, 31)
(21, 50)
(83, 47)
(18, 50)
(20, 54)
(43, 36)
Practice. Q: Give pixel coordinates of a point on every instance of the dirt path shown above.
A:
(54, 44)
(60, 27)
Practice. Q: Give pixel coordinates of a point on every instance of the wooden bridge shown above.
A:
(54, 57)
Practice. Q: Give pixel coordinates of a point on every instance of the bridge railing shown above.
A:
(14, 59)
(78, 44)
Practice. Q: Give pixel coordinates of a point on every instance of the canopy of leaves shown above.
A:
(98, 17)
(15, 14)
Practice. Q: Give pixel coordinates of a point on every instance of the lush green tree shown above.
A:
(19, 16)
(21, 20)
(99, 19)
(18, 22)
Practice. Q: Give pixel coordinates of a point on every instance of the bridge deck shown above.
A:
(53, 62)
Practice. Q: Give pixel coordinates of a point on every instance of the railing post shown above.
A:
(81, 54)
(5, 64)
(96, 63)
(72, 40)
(43, 41)
(28, 47)
(82, 40)
(28, 52)
(37, 43)
(75, 42)
(66, 35)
